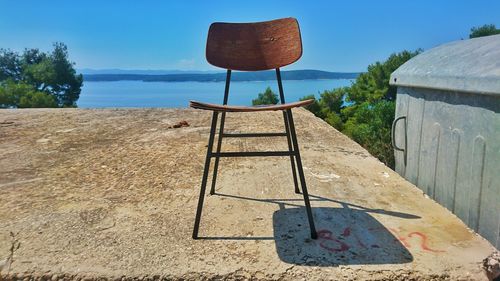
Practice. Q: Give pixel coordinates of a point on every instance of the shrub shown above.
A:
(22, 95)
(365, 110)
(42, 78)
(268, 97)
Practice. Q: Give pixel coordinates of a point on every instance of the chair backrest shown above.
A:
(254, 46)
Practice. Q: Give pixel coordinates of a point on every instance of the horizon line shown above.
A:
(197, 70)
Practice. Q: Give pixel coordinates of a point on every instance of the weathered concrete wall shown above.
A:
(450, 96)
(453, 153)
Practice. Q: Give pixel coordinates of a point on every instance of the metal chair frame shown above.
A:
(293, 152)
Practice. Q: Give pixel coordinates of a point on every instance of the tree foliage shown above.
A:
(485, 30)
(38, 79)
(328, 107)
(373, 85)
(370, 126)
(268, 97)
(365, 110)
(23, 95)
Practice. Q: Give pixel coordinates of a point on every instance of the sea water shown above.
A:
(178, 94)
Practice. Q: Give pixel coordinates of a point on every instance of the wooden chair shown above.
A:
(253, 47)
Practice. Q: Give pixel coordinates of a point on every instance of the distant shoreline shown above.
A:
(239, 81)
(219, 77)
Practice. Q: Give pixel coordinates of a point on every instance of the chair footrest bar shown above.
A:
(251, 135)
(252, 153)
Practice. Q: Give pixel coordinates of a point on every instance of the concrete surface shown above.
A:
(465, 66)
(96, 194)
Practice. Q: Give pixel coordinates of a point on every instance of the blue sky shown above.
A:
(337, 35)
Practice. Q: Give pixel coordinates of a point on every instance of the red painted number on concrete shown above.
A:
(326, 236)
(423, 242)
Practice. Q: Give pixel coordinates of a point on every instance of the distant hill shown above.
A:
(91, 71)
(217, 77)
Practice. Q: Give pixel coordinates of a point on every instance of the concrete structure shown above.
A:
(448, 129)
(106, 194)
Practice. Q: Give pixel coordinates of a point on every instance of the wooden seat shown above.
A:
(235, 108)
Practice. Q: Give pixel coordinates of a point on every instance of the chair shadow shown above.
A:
(347, 235)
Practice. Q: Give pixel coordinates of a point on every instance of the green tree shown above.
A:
(314, 107)
(369, 117)
(329, 101)
(47, 73)
(10, 67)
(332, 101)
(370, 126)
(373, 85)
(365, 110)
(329, 106)
(334, 120)
(485, 30)
(39, 99)
(268, 97)
(21, 95)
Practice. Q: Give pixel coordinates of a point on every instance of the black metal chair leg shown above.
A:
(292, 159)
(293, 134)
(287, 129)
(205, 175)
(219, 144)
(221, 131)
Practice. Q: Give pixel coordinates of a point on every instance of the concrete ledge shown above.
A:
(111, 194)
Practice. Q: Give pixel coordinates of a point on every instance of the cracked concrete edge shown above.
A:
(7, 262)
(240, 274)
